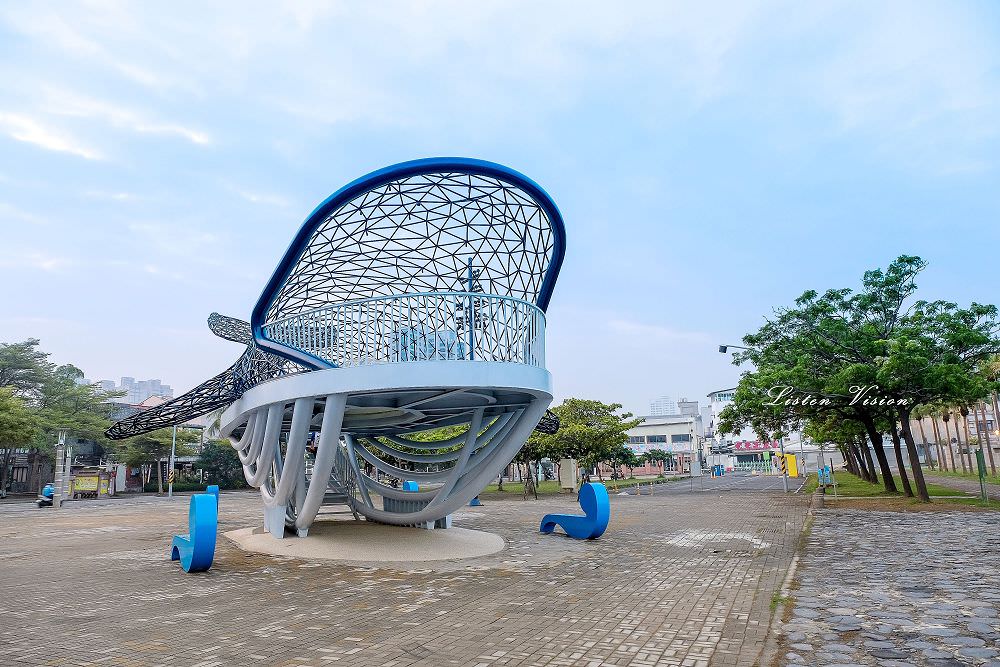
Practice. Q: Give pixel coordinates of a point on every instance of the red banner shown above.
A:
(755, 446)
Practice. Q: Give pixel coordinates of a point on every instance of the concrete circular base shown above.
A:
(370, 542)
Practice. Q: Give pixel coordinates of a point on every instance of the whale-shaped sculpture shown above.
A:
(410, 300)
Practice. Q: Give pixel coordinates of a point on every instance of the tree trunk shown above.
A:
(860, 458)
(937, 439)
(923, 435)
(159, 477)
(898, 451)
(869, 463)
(3, 472)
(852, 467)
(989, 445)
(911, 447)
(958, 437)
(996, 410)
(951, 450)
(984, 434)
(968, 443)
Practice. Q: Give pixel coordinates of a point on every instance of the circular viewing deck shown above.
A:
(428, 326)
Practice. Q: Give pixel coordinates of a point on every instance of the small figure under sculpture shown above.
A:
(196, 550)
(597, 513)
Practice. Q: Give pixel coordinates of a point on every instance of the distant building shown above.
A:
(686, 407)
(678, 434)
(717, 401)
(662, 406)
(136, 392)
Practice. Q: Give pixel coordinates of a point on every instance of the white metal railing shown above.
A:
(755, 466)
(418, 327)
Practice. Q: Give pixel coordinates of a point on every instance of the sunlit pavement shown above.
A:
(681, 577)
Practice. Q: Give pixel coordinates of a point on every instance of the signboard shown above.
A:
(88, 483)
(755, 446)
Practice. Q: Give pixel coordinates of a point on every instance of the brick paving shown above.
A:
(682, 577)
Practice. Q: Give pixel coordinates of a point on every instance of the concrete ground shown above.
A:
(682, 577)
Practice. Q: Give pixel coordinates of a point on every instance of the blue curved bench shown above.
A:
(597, 513)
(214, 490)
(196, 550)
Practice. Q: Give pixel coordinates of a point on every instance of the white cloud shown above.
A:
(265, 198)
(110, 196)
(9, 212)
(30, 130)
(66, 103)
(175, 239)
(36, 260)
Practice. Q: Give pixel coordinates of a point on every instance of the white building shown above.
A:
(717, 401)
(662, 406)
(677, 434)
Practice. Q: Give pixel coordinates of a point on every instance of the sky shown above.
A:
(711, 161)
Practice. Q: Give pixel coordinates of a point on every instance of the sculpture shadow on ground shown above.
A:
(597, 512)
(196, 550)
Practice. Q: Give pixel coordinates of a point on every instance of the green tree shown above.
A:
(154, 448)
(589, 431)
(221, 464)
(836, 344)
(24, 368)
(53, 397)
(17, 430)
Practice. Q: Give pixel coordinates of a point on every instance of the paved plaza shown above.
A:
(897, 588)
(684, 576)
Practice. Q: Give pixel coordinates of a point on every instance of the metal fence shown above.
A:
(418, 327)
(755, 466)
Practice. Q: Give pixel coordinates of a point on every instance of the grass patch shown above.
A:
(777, 599)
(852, 485)
(551, 487)
(971, 476)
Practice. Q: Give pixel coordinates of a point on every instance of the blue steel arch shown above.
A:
(377, 179)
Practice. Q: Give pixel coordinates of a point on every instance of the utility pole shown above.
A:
(57, 497)
(170, 470)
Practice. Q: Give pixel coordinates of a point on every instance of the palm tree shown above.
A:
(985, 434)
(992, 372)
(937, 438)
(946, 417)
(919, 414)
(964, 411)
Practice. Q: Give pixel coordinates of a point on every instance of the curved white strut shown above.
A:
(292, 405)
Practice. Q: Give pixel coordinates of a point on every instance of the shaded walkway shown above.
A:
(968, 485)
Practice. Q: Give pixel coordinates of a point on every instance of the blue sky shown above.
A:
(712, 160)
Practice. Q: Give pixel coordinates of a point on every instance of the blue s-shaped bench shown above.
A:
(597, 513)
(196, 550)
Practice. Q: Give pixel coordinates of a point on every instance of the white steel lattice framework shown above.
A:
(412, 299)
